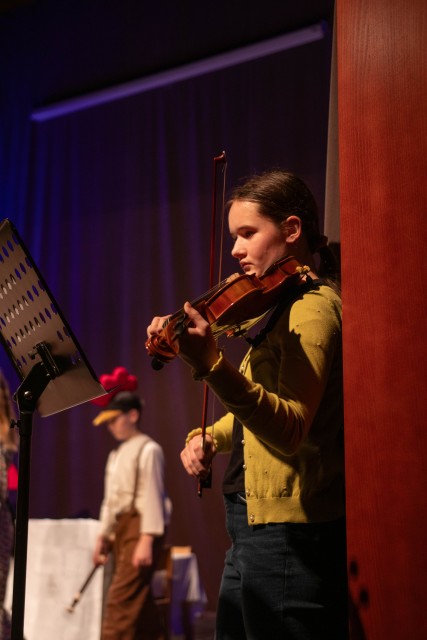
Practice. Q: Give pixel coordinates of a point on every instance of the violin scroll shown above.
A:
(164, 347)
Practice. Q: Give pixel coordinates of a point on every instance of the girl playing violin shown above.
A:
(285, 572)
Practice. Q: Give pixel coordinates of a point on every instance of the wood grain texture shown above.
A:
(382, 107)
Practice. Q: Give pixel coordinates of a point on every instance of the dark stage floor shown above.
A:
(204, 626)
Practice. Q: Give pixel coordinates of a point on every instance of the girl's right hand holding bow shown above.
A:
(196, 459)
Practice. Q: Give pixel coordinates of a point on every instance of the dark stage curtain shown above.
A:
(114, 204)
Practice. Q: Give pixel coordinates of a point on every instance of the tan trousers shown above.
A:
(130, 612)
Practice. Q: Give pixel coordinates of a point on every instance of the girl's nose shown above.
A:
(238, 249)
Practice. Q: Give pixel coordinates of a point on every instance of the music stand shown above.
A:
(54, 371)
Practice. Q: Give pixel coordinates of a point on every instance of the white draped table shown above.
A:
(59, 560)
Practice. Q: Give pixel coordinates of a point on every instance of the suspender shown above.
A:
(137, 472)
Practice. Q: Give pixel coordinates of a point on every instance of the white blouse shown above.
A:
(145, 455)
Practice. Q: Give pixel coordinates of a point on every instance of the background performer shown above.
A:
(134, 516)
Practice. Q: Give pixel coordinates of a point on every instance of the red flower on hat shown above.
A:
(119, 380)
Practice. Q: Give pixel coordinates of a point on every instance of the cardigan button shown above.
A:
(252, 517)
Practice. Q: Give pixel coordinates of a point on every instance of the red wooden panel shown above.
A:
(382, 118)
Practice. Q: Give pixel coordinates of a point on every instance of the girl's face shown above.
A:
(258, 241)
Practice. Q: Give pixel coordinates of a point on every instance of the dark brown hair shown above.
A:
(280, 194)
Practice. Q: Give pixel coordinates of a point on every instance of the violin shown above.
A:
(232, 307)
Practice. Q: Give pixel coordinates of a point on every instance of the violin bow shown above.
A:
(218, 160)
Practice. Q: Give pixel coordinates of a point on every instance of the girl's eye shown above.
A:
(245, 234)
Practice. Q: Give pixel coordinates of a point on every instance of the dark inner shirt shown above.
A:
(234, 477)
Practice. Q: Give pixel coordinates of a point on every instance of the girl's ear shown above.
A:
(292, 229)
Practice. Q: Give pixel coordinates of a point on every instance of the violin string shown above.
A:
(205, 296)
(210, 292)
(221, 246)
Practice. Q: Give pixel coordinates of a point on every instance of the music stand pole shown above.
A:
(26, 397)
